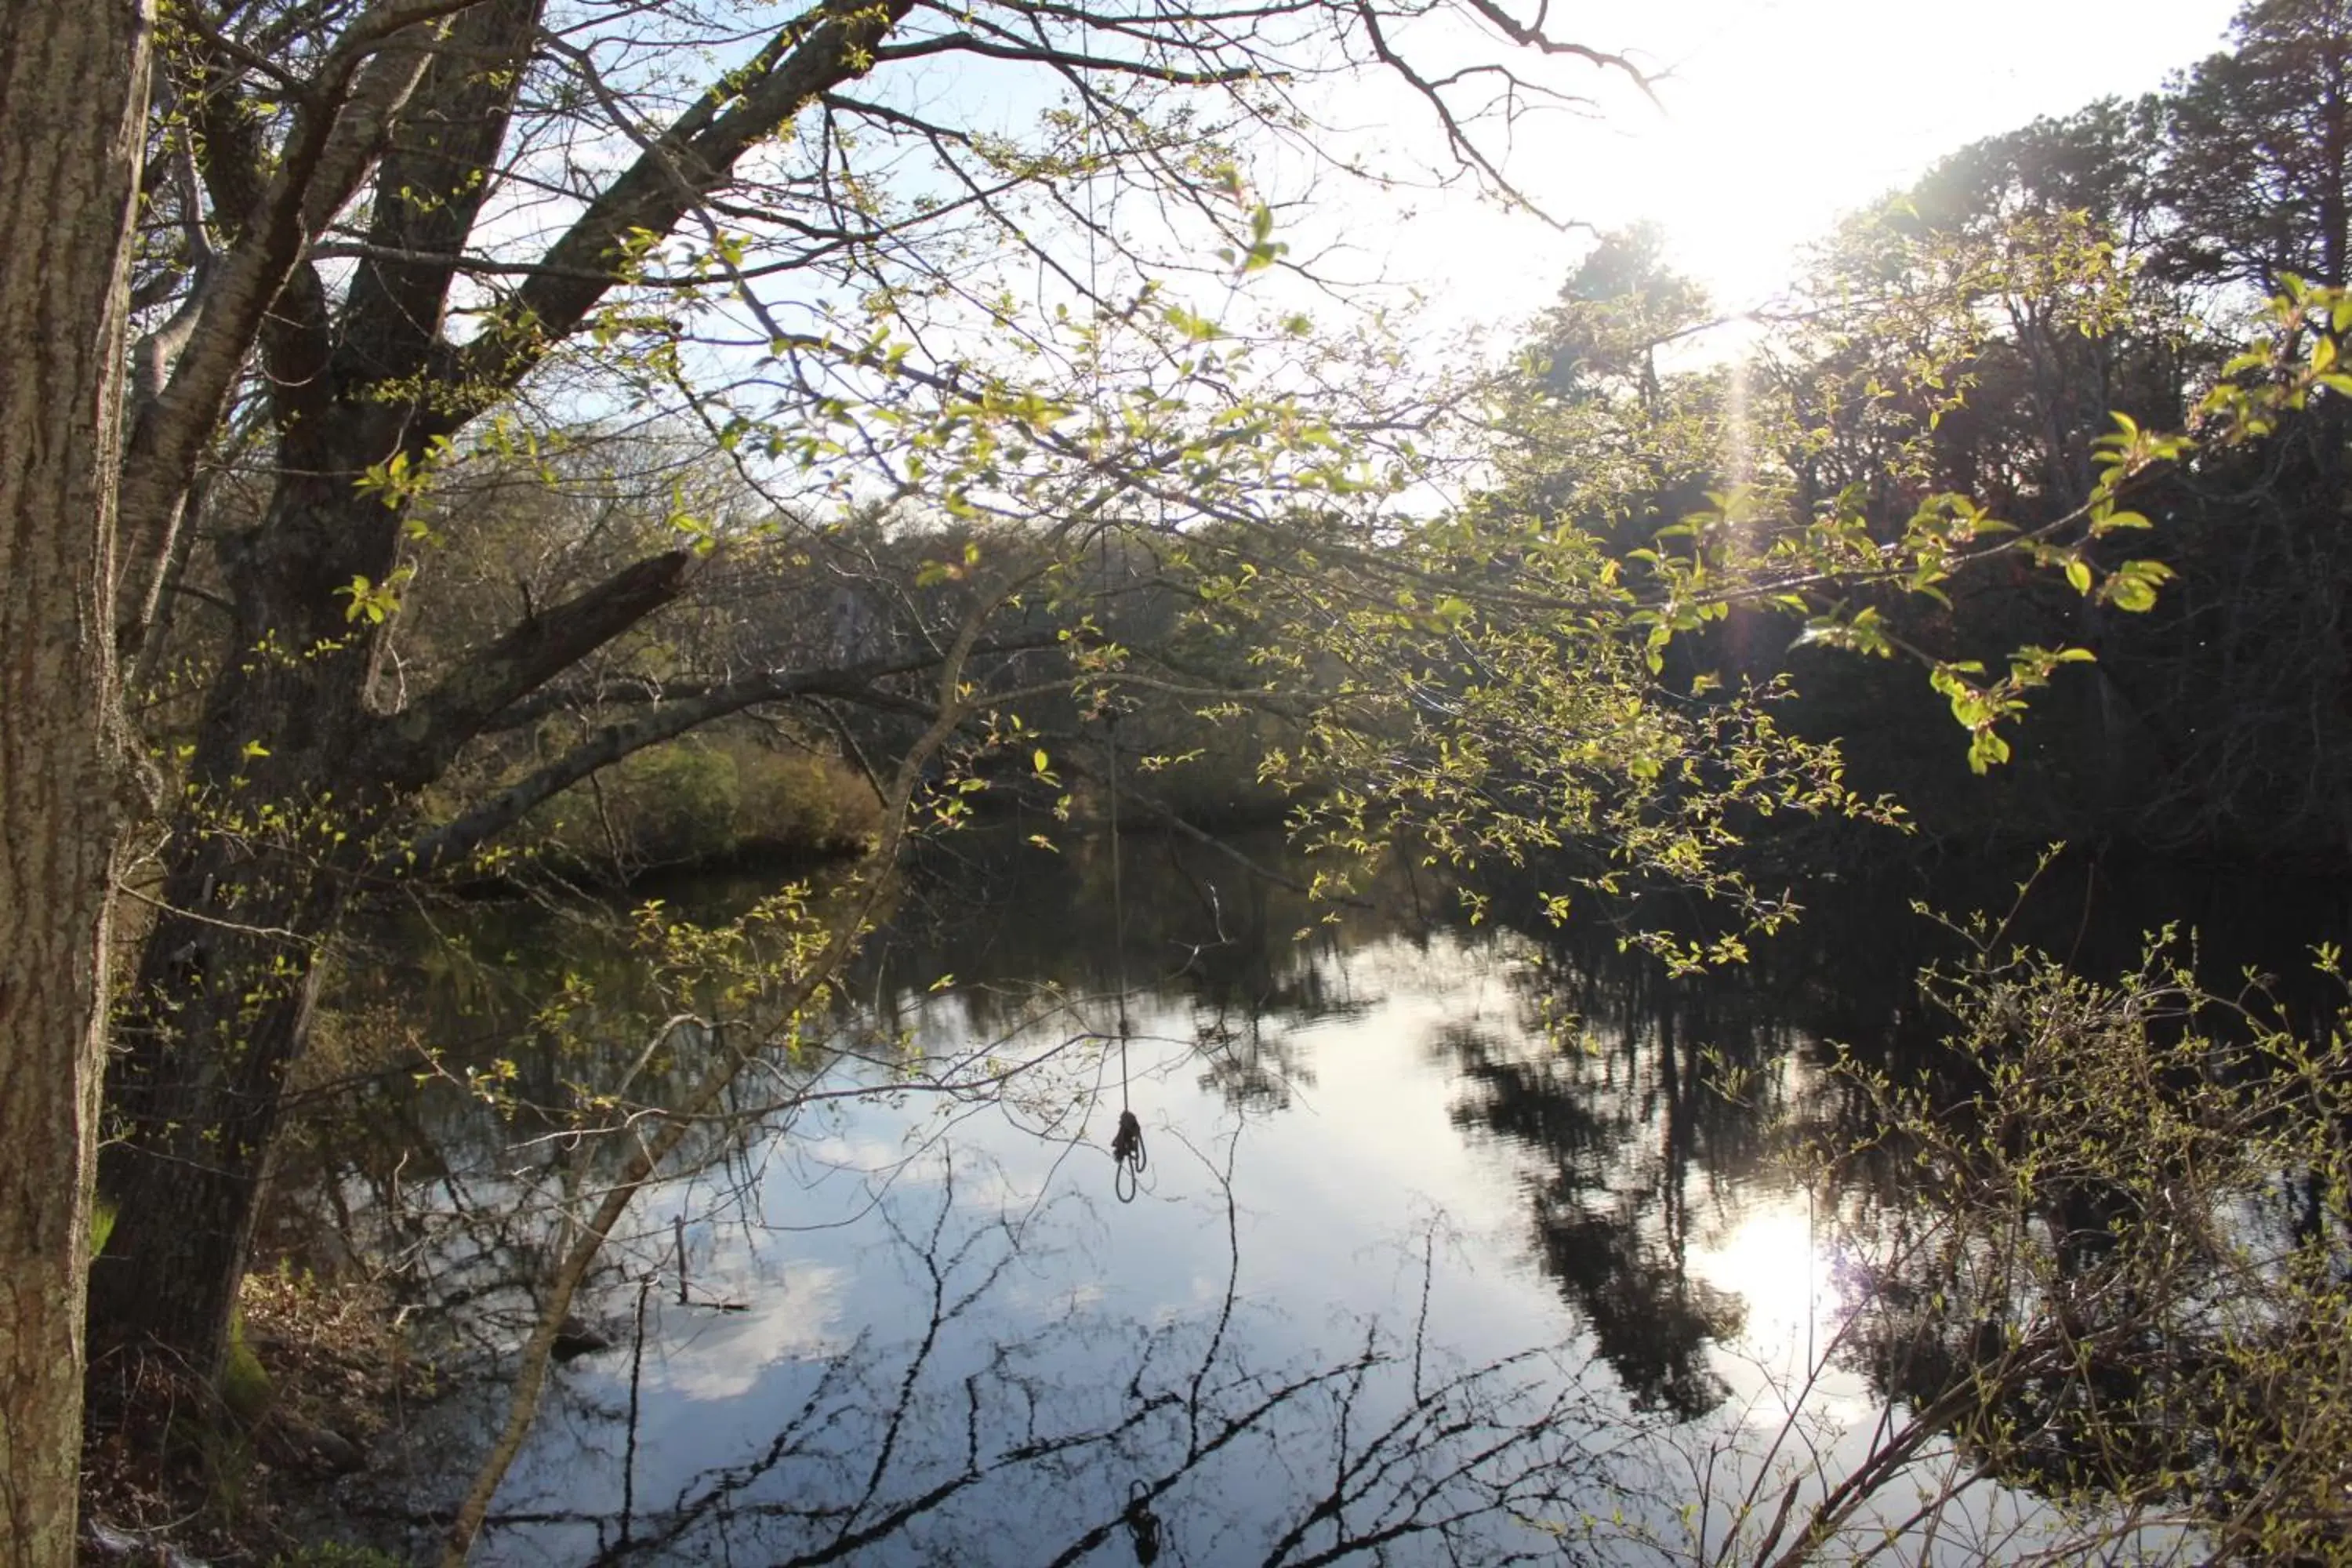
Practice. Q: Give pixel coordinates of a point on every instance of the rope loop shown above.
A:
(1127, 1150)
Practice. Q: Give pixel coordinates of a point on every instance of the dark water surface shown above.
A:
(1448, 1249)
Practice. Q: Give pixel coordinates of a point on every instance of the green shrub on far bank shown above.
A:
(710, 798)
(799, 799)
(334, 1555)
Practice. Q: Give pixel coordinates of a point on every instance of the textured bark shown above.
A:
(73, 83)
(281, 795)
(356, 93)
(255, 887)
(257, 875)
(296, 773)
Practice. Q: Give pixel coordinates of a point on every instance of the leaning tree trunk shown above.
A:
(295, 771)
(73, 88)
(258, 868)
(295, 777)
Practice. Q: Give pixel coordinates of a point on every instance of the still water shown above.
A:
(1448, 1247)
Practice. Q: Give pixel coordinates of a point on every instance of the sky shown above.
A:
(1773, 118)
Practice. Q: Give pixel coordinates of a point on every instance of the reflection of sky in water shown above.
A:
(1441, 1183)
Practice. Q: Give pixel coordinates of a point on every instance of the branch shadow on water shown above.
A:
(1006, 1428)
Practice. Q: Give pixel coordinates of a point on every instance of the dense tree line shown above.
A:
(480, 413)
(1975, 335)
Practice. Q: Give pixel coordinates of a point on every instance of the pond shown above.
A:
(1449, 1245)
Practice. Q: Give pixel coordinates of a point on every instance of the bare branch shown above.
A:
(415, 744)
(667, 721)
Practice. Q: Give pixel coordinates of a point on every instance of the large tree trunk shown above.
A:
(296, 772)
(255, 880)
(280, 810)
(295, 777)
(73, 89)
(289, 781)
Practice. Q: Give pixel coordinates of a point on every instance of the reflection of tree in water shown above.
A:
(1254, 1069)
(1070, 1436)
(1608, 1217)
(1624, 1125)
(1201, 931)
(1638, 1149)
(993, 1435)
(1255, 988)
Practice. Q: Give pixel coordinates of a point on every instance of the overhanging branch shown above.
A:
(666, 720)
(815, 53)
(415, 745)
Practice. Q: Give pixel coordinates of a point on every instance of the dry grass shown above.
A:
(320, 1374)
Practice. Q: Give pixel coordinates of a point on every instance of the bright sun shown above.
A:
(1773, 117)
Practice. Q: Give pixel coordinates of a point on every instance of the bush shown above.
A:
(335, 1555)
(707, 797)
(2117, 1272)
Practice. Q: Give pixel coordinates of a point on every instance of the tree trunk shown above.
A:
(296, 774)
(293, 772)
(295, 778)
(73, 89)
(265, 847)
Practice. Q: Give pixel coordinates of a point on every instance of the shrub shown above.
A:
(2117, 1272)
(710, 796)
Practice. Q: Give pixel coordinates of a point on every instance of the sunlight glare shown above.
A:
(1771, 1260)
(1773, 118)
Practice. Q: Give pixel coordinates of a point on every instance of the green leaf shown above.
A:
(1985, 749)
(2134, 585)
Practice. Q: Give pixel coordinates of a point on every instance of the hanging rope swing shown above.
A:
(1127, 1151)
(1128, 1157)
